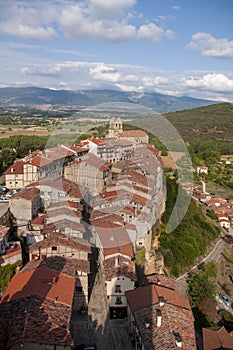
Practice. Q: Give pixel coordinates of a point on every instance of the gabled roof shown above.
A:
(15, 168)
(174, 312)
(149, 295)
(44, 282)
(60, 264)
(114, 239)
(125, 267)
(29, 194)
(216, 338)
(55, 238)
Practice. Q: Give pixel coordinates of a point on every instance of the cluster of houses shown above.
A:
(96, 202)
(223, 208)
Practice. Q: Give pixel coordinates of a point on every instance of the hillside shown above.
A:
(29, 96)
(214, 122)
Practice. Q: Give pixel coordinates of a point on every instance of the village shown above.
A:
(82, 213)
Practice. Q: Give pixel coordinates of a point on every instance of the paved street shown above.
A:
(96, 326)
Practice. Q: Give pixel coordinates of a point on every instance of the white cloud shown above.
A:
(152, 32)
(110, 8)
(77, 23)
(28, 32)
(26, 22)
(212, 82)
(130, 88)
(148, 81)
(210, 46)
(47, 72)
(105, 73)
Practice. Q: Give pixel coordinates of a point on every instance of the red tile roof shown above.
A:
(63, 265)
(35, 320)
(30, 194)
(133, 133)
(149, 295)
(217, 338)
(114, 239)
(125, 268)
(176, 315)
(43, 282)
(55, 238)
(15, 168)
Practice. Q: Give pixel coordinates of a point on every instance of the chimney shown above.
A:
(179, 342)
(178, 339)
(117, 261)
(158, 318)
(161, 301)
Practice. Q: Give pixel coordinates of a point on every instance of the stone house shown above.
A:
(24, 206)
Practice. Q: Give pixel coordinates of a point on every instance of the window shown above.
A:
(54, 248)
(118, 300)
(118, 288)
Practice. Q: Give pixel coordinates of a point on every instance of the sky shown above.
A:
(175, 47)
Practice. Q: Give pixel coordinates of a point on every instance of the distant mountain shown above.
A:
(160, 103)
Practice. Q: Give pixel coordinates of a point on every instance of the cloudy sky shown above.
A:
(176, 47)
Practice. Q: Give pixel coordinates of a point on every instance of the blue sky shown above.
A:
(176, 47)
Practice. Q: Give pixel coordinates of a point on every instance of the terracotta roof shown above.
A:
(176, 316)
(161, 280)
(173, 319)
(60, 183)
(39, 220)
(62, 265)
(92, 160)
(133, 133)
(217, 338)
(149, 295)
(55, 238)
(36, 320)
(15, 168)
(114, 239)
(125, 268)
(43, 282)
(27, 193)
(95, 140)
(13, 250)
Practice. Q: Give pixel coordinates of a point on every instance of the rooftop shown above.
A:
(56, 238)
(152, 300)
(217, 338)
(44, 282)
(36, 320)
(125, 268)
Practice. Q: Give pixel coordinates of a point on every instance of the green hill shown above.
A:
(214, 122)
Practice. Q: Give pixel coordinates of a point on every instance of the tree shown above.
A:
(202, 285)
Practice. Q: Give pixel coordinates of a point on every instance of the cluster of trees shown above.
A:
(189, 240)
(19, 146)
(202, 285)
(6, 273)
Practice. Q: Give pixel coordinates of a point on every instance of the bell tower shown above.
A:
(115, 127)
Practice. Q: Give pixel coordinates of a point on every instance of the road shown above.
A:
(214, 254)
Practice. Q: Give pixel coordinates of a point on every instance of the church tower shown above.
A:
(115, 127)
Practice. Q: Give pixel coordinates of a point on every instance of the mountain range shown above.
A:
(159, 103)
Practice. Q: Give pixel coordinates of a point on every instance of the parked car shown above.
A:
(225, 299)
(90, 346)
